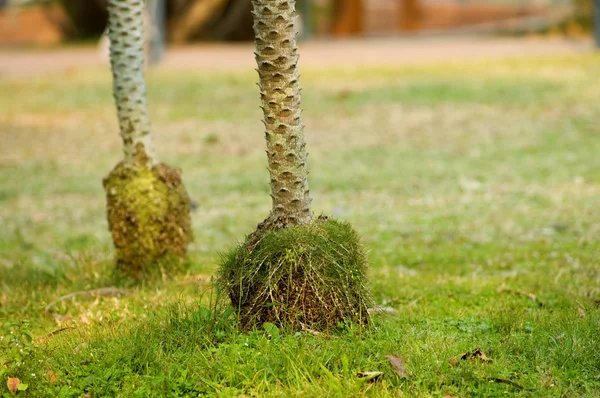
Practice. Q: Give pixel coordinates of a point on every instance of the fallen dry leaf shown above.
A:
(13, 384)
(476, 354)
(51, 376)
(398, 365)
(369, 376)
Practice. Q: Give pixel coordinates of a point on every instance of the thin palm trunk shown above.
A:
(291, 270)
(148, 208)
(127, 61)
(276, 29)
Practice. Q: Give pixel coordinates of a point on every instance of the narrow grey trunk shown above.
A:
(127, 61)
(276, 28)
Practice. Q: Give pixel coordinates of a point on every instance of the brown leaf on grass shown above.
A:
(13, 384)
(476, 354)
(398, 365)
(51, 376)
(369, 376)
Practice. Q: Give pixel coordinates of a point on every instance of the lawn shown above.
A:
(475, 188)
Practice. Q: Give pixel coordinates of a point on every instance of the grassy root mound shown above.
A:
(302, 277)
(148, 213)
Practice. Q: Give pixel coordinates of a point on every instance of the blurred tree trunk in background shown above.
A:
(88, 18)
(158, 16)
(235, 23)
(214, 19)
(186, 19)
(197, 15)
(348, 17)
(410, 14)
(189, 20)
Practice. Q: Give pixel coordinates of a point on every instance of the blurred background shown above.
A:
(50, 22)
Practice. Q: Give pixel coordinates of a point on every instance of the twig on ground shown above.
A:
(54, 333)
(105, 291)
(532, 296)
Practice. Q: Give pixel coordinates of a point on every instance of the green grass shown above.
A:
(474, 186)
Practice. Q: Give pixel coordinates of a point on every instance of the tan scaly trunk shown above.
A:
(276, 27)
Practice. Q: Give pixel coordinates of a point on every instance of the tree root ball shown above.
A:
(148, 211)
(310, 276)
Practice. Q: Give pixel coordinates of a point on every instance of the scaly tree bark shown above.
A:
(295, 271)
(127, 63)
(147, 204)
(275, 27)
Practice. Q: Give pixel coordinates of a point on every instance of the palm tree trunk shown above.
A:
(148, 208)
(127, 61)
(322, 284)
(276, 28)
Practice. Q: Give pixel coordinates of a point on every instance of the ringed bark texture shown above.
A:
(275, 28)
(127, 61)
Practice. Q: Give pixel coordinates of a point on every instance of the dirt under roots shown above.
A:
(309, 276)
(148, 211)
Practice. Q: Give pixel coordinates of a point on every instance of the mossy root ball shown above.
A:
(148, 211)
(309, 276)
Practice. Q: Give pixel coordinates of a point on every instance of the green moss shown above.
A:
(148, 213)
(307, 276)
